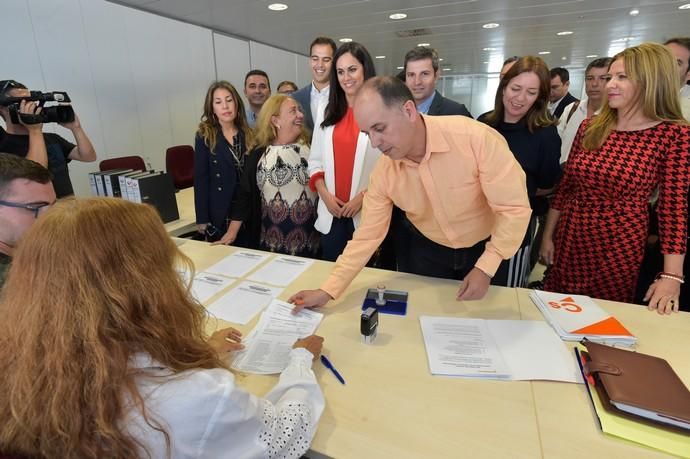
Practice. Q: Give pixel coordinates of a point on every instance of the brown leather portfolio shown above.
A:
(640, 384)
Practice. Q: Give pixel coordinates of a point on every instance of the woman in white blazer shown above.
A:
(342, 157)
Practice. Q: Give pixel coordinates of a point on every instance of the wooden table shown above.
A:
(564, 415)
(392, 407)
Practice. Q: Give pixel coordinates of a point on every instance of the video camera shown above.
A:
(52, 114)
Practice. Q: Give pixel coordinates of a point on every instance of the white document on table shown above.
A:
(240, 304)
(281, 270)
(205, 285)
(267, 347)
(239, 263)
(497, 349)
(533, 350)
(462, 347)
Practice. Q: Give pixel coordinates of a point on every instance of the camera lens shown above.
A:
(58, 114)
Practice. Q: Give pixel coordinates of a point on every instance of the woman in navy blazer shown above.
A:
(219, 156)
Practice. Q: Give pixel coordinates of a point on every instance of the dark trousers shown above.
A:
(418, 254)
(333, 243)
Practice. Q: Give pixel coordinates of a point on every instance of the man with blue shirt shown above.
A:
(421, 75)
(257, 90)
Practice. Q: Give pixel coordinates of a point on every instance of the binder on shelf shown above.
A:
(575, 317)
(134, 191)
(128, 192)
(100, 189)
(614, 422)
(92, 183)
(107, 184)
(112, 182)
(157, 189)
(123, 182)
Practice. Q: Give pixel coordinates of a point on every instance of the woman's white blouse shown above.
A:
(207, 416)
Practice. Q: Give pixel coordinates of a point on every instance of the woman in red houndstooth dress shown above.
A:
(596, 229)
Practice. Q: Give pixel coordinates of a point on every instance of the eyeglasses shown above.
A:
(34, 207)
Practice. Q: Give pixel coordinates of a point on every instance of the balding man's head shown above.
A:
(392, 91)
(385, 110)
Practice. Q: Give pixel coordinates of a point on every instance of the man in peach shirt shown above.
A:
(461, 189)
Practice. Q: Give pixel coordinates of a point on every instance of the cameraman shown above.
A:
(37, 146)
(59, 151)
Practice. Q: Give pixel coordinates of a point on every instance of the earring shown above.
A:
(278, 126)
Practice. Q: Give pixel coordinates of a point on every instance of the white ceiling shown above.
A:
(526, 26)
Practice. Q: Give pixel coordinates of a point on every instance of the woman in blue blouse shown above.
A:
(220, 152)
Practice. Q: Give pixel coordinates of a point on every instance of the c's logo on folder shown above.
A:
(567, 304)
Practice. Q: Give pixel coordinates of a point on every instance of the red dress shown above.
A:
(603, 199)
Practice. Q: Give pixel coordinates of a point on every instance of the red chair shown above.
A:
(124, 162)
(179, 163)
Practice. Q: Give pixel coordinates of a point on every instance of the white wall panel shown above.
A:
(278, 64)
(64, 57)
(189, 69)
(144, 35)
(18, 54)
(303, 70)
(137, 80)
(113, 79)
(232, 60)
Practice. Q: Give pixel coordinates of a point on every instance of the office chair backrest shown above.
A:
(179, 163)
(123, 162)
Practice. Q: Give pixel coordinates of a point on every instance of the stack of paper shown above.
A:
(267, 347)
(496, 349)
(575, 317)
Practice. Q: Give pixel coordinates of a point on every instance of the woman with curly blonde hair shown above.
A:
(103, 352)
(274, 200)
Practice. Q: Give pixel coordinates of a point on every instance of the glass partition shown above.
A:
(478, 91)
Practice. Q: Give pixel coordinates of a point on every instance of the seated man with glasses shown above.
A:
(26, 192)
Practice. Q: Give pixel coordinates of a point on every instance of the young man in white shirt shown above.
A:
(680, 48)
(576, 112)
(314, 97)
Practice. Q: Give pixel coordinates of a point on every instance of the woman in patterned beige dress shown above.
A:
(274, 200)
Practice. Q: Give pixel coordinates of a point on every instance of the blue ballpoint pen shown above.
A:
(327, 363)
